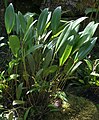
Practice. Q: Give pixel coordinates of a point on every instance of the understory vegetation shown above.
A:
(49, 55)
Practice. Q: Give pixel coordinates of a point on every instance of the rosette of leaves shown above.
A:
(46, 51)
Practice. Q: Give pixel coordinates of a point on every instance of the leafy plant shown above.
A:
(89, 73)
(46, 51)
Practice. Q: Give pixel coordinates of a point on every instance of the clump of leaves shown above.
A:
(45, 52)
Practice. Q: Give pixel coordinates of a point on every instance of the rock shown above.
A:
(79, 109)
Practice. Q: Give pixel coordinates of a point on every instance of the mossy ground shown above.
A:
(79, 109)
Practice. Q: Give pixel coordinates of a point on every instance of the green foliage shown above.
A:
(89, 73)
(9, 18)
(45, 53)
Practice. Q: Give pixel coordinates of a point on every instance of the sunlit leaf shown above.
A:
(63, 36)
(76, 22)
(65, 54)
(18, 102)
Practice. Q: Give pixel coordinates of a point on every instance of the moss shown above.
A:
(79, 109)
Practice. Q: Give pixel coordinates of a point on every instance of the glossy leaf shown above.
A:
(22, 22)
(65, 54)
(42, 21)
(18, 102)
(79, 41)
(63, 36)
(14, 44)
(85, 49)
(90, 29)
(76, 66)
(9, 18)
(89, 64)
(17, 24)
(28, 32)
(76, 22)
(55, 21)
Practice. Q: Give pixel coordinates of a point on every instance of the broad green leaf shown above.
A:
(63, 36)
(33, 48)
(19, 91)
(79, 41)
(22, 21)
(89, 64)
(9, 18)
(50, 70)
(48, 58)
(26, 113)
(17, 24)
(76, 66)
(85, 49)
(29, 15)
(65, 50)
(78, 21)
(28, 32)
(42, 21)
(29, 22)
(14, 44)
(65, 54)
(55, 21)
(90, 29)
(18, 102)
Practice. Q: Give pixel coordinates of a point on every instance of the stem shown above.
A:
(24, 65)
